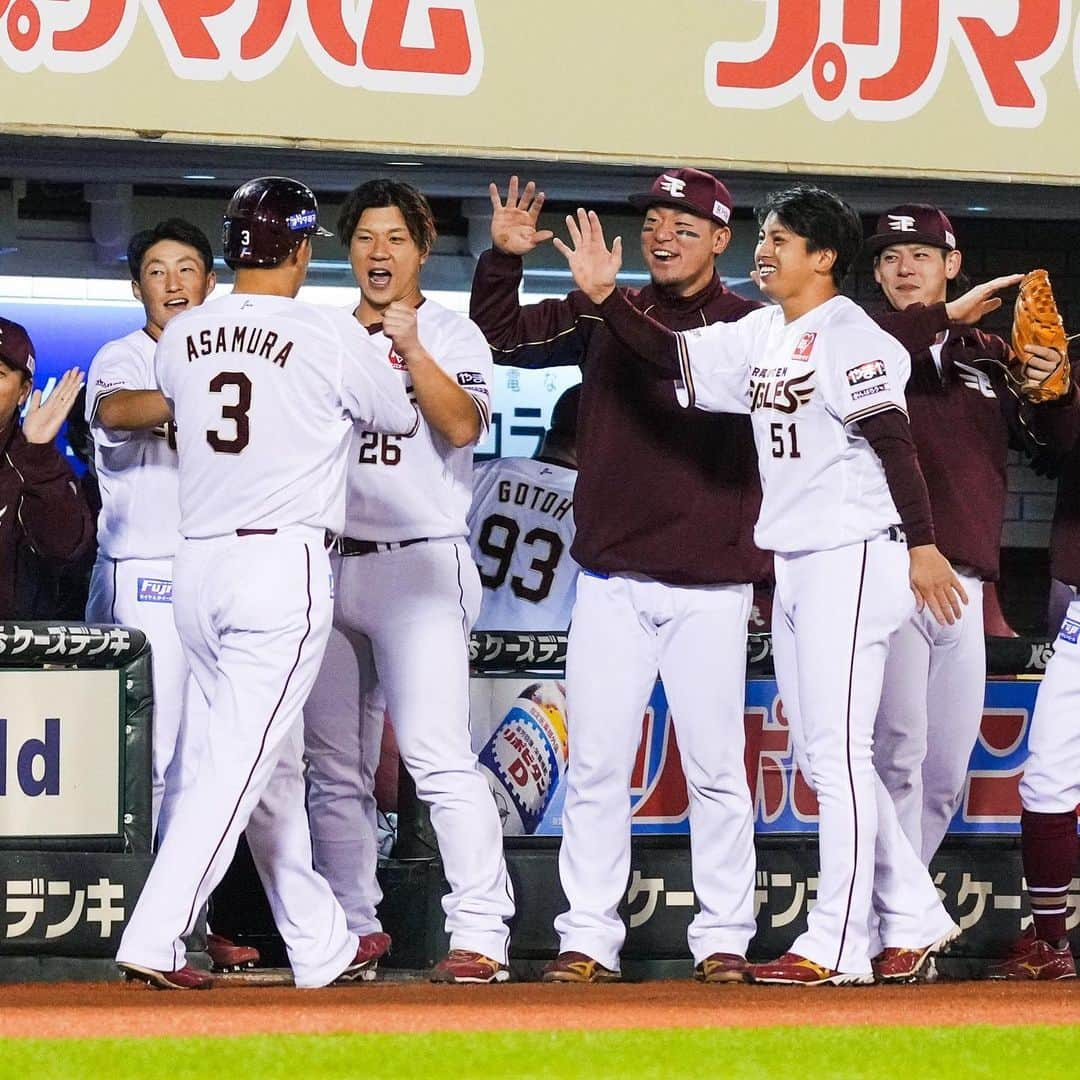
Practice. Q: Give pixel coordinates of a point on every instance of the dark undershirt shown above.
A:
(890, 436)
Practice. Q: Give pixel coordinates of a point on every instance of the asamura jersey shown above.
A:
(806, 385)
(136, 470)
(521, 526)
(421, 488)
(265, 390)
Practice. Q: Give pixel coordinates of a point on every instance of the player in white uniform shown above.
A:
(407, 588)
(264, 390)
(521, 528)
(172, 270)
(824, 389)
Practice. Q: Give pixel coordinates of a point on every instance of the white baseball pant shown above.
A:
(834, 613)
(1051, 780)
(253, 614)
(416, 605)
(624, 629)
(343, 727)
(929, 717)
(116, 597)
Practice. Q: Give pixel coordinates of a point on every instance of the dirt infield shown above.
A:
(74, 1010)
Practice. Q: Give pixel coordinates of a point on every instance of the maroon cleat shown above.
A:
(791, 969)
(226, 955)
(898, 965)
(463, 966)
(578, 967)
(1030, 959)
(369, 951)
(722, 967)
(185, 978)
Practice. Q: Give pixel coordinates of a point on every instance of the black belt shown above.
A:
(346, 545)
(328, 540)
(896, 532)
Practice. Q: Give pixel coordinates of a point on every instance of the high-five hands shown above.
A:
(513, 223)
(594, 267)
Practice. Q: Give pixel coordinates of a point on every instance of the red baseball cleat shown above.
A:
(898, 965)
(369, 950)
(185, 978)
(226, 955)
(1031, 959)
(791, 969)
(462, 966)
(578, 967)
(722, 967)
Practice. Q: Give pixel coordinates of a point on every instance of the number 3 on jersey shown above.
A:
(237, 412)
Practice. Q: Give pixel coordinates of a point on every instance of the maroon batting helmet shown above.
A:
(266, 219)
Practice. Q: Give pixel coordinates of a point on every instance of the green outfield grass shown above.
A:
(819, 1053)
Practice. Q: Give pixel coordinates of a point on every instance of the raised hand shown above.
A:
(594, 267)
(979, 301)
(513, 223)
(42, 422)
(399, 325)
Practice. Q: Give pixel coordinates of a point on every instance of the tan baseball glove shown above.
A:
(1036, 321)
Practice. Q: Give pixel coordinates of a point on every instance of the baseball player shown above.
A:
(664, 508)
(521, 529)
(407, 588)
(172, 271)
(264, 391)
(842, 491)
(1050, 786)
(39, 503)
(965, 415)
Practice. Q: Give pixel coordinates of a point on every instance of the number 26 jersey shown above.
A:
(408, 489)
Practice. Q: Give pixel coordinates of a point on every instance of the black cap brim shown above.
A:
(880, 241)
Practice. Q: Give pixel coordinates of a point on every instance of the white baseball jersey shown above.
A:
(281, 379)
(806, 385)
(422, 488)
(521, 526)
(136, 470)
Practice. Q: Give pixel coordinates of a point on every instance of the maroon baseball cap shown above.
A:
(16, 348)
(693, 189)
(912, 223)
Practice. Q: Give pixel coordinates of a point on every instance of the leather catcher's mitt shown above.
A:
(1036, 321)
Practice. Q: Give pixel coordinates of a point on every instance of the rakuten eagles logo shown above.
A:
(779, 394)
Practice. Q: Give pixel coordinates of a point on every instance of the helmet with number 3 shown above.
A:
(266, 219)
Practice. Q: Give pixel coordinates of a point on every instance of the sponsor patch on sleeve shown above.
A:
(863, 373)
(471, 378)
(1070, 631)
(869, 391)
(154, 591)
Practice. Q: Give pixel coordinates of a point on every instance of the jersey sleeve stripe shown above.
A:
(686, 369)
(873, 410)
(544, 341)
(99, 398)
(483, 407)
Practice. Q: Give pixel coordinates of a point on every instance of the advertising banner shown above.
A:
(519, 731)
(60, 754)
(957, 88)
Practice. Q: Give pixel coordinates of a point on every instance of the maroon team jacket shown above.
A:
(662, 491)
(964, 420)
(40, 505)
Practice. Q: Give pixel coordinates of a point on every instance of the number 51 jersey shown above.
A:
(420, 489)
(265, 390)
